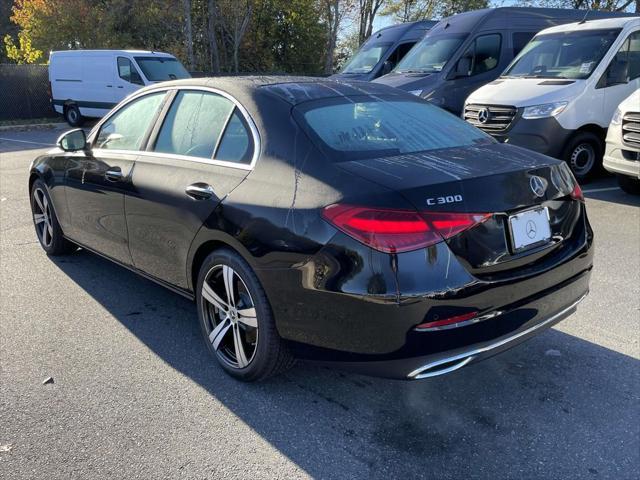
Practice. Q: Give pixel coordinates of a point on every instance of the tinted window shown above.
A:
(483, 54)
(563, 55)
(159, 69)
(127, 128)
(400, 52)
(194, 124)
(236, 143)
(519, 40)
(431, 54)
(363, 127)
(128, 72)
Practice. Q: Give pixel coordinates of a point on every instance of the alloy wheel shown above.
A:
(230, 316)
(582, 159)
(42, 217)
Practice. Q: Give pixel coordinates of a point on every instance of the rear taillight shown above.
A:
(576, 193)
(395, 231)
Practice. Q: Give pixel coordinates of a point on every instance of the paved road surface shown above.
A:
(135, 395)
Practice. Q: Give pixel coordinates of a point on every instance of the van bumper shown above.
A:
(543, 135)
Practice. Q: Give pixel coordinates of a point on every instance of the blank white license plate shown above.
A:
(529, 228)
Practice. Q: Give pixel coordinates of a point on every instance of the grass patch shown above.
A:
(30, 121)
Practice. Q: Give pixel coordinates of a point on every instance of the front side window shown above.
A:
(625, 65)
(366, 59)
(572, 55)
(482, 55)
(361, 127)
(127, 128)
(160, 69)
(431, 54)
(128, 72)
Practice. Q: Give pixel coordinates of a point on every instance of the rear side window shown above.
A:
(128, 127)
(194, 124)
(236, 144)
(363, 127)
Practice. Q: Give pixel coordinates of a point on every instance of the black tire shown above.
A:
(583, 154)
(269, 355)
(46, 223)
(629, 184)
(72, 115)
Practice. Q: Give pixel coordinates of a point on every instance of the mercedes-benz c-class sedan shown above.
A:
(347, 223)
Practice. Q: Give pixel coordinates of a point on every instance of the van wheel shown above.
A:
(72, 115)
(584, 155)
(629, 184)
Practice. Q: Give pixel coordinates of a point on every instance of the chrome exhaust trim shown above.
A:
(458, 361)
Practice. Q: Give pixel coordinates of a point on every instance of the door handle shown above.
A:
(199, 191)
(109, 86)
(113, 175)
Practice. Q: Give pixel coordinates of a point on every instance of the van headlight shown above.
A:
(617, 117)
(544, 110)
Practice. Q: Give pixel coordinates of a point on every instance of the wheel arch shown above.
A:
(206, 242)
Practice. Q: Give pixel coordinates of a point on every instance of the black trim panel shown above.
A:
(81, 103)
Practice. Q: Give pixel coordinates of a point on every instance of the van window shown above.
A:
(194, 123)
(520, 40)
(573, 54)
(127, 128)
(483, 54)
(366, 58)
(625, 65)
(431, 54)
(128, 72)
(160, 69)
(360, 127)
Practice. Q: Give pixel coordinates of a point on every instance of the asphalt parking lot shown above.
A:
(136, 396)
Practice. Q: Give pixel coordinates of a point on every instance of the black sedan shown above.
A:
(346, 223)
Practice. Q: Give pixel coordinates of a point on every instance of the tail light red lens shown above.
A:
(396, 231)
(576, 193)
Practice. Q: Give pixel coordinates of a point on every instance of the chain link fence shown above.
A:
(24, 92)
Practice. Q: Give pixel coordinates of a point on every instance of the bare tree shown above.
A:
(186, 5)
(334, 12)
(236, 20)
(367, 13)
(212, 30)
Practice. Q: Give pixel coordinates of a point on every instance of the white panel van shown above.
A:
(88, 83)
(559, 94)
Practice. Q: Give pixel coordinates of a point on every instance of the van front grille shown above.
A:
(490, 118)
(631, 129)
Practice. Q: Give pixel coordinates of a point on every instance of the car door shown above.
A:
(197, 155)
(97, 180)
(622, 76)
(128, 80)
(482, 61)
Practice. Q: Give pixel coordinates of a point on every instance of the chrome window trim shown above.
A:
(147, 153)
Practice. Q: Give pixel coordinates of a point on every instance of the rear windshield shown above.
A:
(350, 128)
(160, 69)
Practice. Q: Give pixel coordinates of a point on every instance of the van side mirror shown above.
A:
(73, 140)
(463, 68)
(387, 66)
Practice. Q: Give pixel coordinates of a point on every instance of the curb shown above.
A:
(34, 126)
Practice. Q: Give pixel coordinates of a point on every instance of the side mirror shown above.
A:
(73, 140)
(387, 67)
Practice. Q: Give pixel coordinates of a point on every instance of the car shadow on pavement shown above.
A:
(555, 407)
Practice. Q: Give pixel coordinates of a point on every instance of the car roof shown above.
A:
(602, 23)
(293, 90)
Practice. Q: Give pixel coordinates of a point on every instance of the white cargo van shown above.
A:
(558, 95)
(622, 155)
(88, 83)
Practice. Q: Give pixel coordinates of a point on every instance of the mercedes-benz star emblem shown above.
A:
(538, 185)
(531, 229)
(483, 115)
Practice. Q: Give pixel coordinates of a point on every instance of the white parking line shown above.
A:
(26, 141)
(596, 190)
